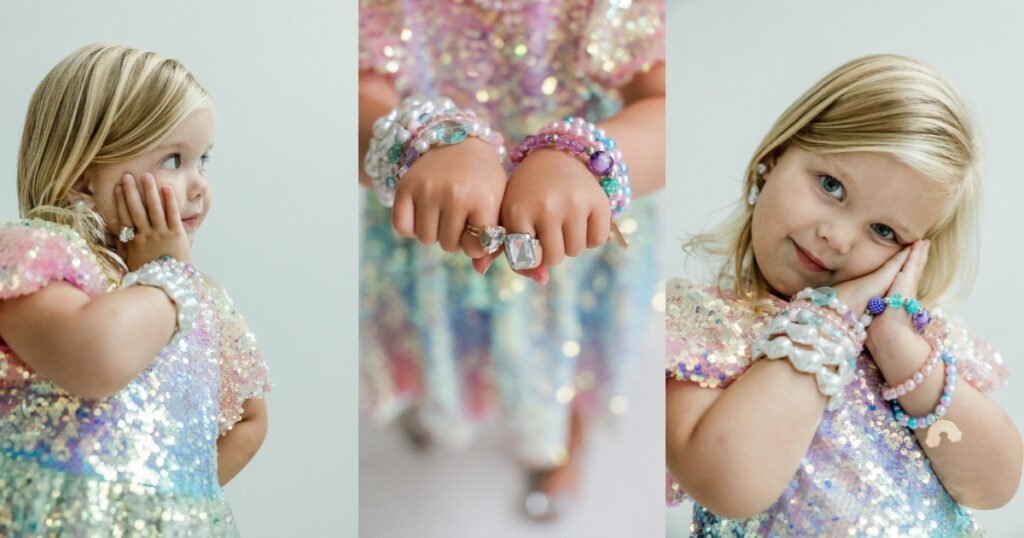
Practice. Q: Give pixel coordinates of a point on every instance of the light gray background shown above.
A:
(736, 66)
(281, 235)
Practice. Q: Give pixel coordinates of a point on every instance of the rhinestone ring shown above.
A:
(491, 237)
(127, 234)
(522, 251)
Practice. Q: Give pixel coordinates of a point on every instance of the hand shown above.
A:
(552, 196)
(446, 189)
(157, 221)
(892, 325)
(855, 293)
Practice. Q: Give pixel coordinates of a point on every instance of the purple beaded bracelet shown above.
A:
(918, 314)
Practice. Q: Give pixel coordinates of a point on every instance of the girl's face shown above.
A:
(825, 219)
(179, 162)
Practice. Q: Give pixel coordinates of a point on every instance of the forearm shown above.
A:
(377, 97)
(738, 457)
(236, 448)
(639, 130)
(95, 347)
(983, 469)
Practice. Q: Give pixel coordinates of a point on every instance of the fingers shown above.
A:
(471, 245)
(136, 208)
(402, 214)
(154, 204)
(599, 226)
(482, 264)
(907, 279)
(172, 214)
(121, 206)
(553, 243)
(574, 234)
(453, 224)
(426, 220)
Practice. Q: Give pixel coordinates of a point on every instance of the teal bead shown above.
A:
(395, 153)
(610, 185)
(391, 182)
(896, 300)
(451, 132)
(821, 296)
(913, 306)
(912, 423)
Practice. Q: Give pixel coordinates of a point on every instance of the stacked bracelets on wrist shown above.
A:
(409, 131)
(813, 342)
(176, 279)
(918, 314)
(591, 145)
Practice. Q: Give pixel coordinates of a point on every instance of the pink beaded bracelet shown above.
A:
(892, 393)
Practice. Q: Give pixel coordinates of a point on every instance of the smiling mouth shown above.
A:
(808, 259)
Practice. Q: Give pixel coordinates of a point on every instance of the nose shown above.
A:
(197, 186)
(837, 235)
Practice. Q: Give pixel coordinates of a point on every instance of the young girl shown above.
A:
(446, 346)
(810, 389)
(130, 387)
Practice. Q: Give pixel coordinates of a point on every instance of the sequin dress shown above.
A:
(142, 462)
(864, 474)
(460, 347)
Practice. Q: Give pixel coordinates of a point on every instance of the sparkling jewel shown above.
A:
(491, 238)
(521, 251)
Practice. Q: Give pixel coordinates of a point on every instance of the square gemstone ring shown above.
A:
(522, 251)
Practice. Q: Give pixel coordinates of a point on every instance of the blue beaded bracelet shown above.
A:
(918, 314)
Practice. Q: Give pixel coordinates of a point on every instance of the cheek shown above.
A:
(866, 260)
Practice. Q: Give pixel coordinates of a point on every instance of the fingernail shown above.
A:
(118, 189)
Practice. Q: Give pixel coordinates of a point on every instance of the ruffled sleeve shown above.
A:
(34, 253)
(622, 39)
(243, 372)
(707, 338)
(977, 361)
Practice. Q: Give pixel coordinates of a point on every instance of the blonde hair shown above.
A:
(885, 104)
(102, 104)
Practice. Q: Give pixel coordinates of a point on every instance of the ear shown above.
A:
(81, 192)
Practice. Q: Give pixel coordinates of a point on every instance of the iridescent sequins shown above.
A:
(863, 475)
(141, 462)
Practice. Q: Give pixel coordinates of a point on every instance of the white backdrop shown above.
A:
(282, 233)
(735, 66)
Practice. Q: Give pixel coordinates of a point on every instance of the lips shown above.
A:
(193, 220)
(808, 260)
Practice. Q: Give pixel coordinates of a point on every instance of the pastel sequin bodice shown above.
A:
(144, 457)
(519, 67)
(863, 474)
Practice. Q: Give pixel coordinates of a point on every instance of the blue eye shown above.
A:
(884, 232)
(172, 162)
(832, 186)
(203, 162)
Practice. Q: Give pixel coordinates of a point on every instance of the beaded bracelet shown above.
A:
(593, 147)
(175, 278)
(827, 297)
(918, 314)
(892, 393)
(404, 134)
(940, 410)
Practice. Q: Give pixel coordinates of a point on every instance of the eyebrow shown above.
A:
(176, 145)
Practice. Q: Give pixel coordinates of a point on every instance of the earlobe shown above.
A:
(80, 194)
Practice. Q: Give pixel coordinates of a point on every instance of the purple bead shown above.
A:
(876, 305)
(921, 320)
(409, 156)
(600, 163)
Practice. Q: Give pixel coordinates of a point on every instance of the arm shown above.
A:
(982, 470)
(639, 129)
(377, 97)
(90, 347)
(734, 450)
(238, 446)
